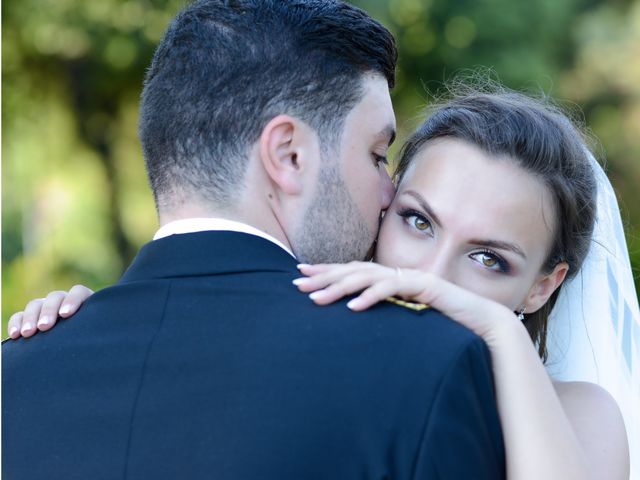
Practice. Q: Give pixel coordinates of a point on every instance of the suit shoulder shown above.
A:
(421, 317)
(422, 330)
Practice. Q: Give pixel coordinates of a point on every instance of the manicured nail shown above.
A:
(65, 309)
(317, 294)
(300, 281)
(44, 321)
(302, 265)
(27, 327)
(13, 331)
(355, 303)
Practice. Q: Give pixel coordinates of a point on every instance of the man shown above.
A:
(264, 125)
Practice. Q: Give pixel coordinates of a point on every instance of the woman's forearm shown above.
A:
(539, 439)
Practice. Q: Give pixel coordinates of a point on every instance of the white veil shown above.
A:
(594, 329)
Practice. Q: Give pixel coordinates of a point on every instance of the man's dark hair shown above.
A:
(225, 68)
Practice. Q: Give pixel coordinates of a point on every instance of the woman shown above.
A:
(495, 207)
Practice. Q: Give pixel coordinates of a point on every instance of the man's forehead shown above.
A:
(376, 92)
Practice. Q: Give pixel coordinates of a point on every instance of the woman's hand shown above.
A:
(42, 313)
(330, 282)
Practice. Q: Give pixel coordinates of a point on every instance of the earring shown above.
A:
(521, 314)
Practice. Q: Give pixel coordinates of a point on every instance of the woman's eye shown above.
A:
(490, 260)
(420, 223)
(416, 220)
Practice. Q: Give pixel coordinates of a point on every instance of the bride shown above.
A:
(496, 205)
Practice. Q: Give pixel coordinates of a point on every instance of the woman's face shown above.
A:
(482, 223)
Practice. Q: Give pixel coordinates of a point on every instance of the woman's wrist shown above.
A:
(503, 329)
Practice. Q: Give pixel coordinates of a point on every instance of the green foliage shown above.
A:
(75, 205)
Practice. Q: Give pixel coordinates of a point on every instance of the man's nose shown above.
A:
(388, 190)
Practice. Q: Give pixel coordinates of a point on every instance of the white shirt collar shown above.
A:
(192, 225)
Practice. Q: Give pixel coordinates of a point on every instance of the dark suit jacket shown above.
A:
(204, 361)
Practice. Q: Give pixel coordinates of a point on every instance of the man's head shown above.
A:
(234, 83)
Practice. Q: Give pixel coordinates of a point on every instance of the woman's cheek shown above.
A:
(506, 293)
(395, 249)
(385, 249)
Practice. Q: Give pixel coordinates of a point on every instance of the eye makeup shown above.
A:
(491, 260)
(416, 220)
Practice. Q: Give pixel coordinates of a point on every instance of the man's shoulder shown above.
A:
(407, 317)
(412, 331)
(132, 312)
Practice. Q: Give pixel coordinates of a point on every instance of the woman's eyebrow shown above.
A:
(424, 205)
(500, 246)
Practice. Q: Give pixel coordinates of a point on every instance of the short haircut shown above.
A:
(226, 67)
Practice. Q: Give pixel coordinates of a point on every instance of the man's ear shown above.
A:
(544, 287)
(281, 145)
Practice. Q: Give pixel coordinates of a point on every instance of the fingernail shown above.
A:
(302, 265)
(27, 327)
(13, 331)
(316, 294)
(300, 281)
(44, 321)
(64, 309)
(355, 303)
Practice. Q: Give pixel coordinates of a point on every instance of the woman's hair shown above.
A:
(541, 139)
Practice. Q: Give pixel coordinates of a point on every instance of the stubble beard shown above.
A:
(333, 230)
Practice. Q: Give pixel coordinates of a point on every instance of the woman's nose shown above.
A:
(438, 264)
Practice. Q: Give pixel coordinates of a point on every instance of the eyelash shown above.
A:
(378, 159)
(408, 213)
(502, 265)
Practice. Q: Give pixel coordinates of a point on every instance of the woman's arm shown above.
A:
(541, 440)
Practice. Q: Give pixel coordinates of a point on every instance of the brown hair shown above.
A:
(541, 139)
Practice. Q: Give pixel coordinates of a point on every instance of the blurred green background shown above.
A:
(75, 204)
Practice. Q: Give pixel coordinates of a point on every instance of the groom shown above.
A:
(264, 126)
